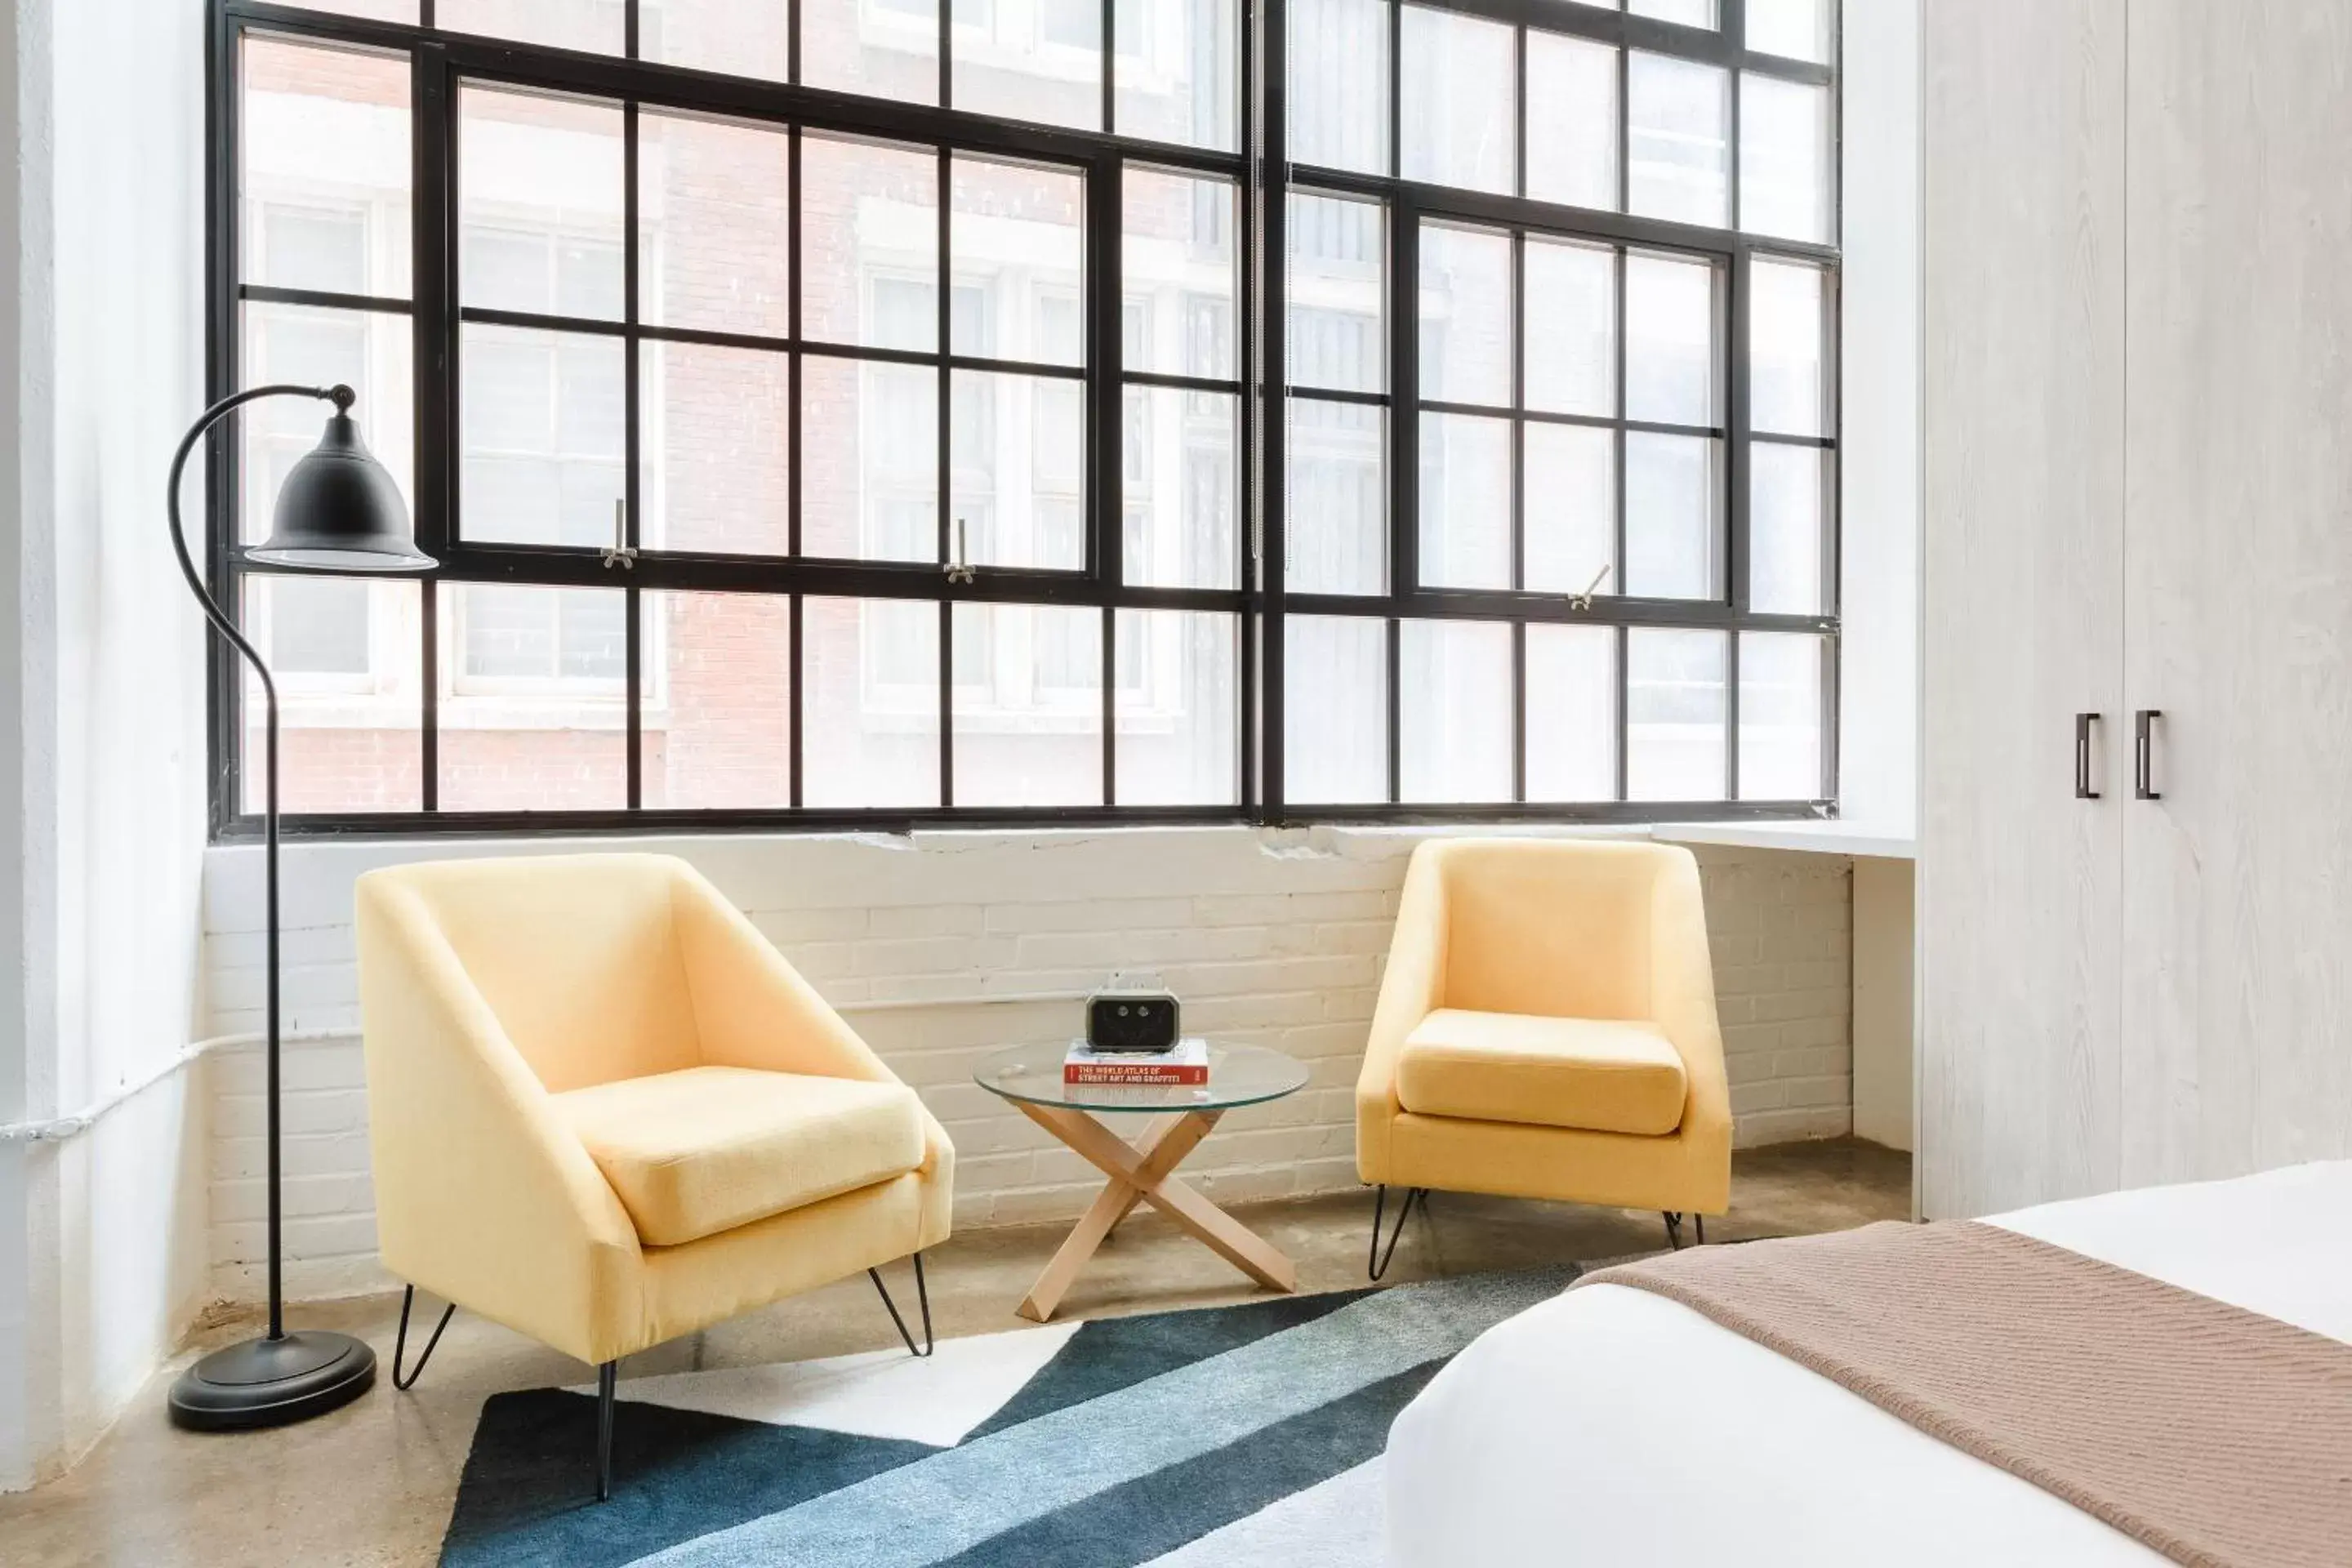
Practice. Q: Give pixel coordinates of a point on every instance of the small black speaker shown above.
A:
(1131, 1021)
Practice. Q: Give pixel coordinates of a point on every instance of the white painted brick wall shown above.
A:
(1277, 938)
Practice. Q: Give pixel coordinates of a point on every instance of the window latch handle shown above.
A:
(1582, 603)
(618, 553)
(960, 569)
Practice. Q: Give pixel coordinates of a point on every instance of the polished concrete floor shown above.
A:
(372, 1483)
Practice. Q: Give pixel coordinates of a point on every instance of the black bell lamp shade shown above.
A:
(338, 513)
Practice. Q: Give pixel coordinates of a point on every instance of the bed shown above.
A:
(1613, 1425)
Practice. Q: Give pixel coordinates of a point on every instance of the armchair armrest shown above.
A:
(1411, 987)
(483, 1194)
(1682, 981)
(752, 1009)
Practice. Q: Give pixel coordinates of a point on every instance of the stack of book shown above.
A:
(1185, 1062)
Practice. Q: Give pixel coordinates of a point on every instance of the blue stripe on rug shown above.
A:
(953, 1501)
(1154, 1515)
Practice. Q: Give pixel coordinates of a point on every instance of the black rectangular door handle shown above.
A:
(2083, 790)
(2143, 754)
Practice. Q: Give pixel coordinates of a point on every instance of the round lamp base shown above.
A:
(272, 1383)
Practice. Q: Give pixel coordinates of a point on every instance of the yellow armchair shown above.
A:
(1546, 1028)
(604, 1112)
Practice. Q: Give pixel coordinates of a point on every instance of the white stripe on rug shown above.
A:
(936, 1401)
(1338, 1523)
(949, 1501)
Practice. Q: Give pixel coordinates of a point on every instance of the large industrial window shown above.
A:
(882, 412)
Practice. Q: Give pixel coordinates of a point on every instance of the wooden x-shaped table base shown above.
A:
(1145, 1173)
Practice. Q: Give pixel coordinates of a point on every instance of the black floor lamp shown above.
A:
(338, 511)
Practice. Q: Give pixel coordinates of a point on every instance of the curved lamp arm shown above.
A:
(342, 397)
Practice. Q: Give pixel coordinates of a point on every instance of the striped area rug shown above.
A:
(1232, 1436)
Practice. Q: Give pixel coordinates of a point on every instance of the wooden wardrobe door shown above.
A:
(2019, 882)
(2238, 882)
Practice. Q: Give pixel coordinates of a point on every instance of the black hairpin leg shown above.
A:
(1674, 1228)
(1699, 1222)
(607, 1375)
(1378, 1263)
(922, 1294)
(400, 1345)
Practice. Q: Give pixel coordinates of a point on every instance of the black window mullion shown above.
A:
(633, 415)
(1102, 279)
(1404, 395)
(796, 283)
(1736, 361)
(1396, 710)
(432, 272)
(1266, 410)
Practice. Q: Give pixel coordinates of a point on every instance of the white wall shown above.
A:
(102, 1233)
(1878, 450)
(1275, 937)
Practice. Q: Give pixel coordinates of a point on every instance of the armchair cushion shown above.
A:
(1592, 1074)
(704, 1149)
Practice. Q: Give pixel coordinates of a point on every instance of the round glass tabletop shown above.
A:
(1238, 1075)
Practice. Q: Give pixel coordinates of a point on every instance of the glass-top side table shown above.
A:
(1029, 1078)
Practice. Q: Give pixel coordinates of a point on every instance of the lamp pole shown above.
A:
(337, 510)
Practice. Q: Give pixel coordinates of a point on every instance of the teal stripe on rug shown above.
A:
(916, 1515)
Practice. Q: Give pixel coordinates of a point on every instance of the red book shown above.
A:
(1185, 1063)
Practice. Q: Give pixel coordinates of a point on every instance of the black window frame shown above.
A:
(1259, 602)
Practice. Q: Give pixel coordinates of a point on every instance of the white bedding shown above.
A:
(1611, 1425)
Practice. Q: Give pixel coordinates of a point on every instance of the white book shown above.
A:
(1186, 1053)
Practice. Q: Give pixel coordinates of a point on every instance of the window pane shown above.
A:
(1787, 393)
(325, 182)
(1338, 103)
(1460, 100)
(1018, 239)
(869, 243)
(1336, 516)
(1691, 13)
(542, 435)
(1799, 30)
(883, 49)
(1177, 251)
(1177, 79)
(539, 200)
(1785, 560)
(730, 35)
(1572, 712)
(1454, 708)
(870, 703)
(534, 715)
(1041, 61)
(1680, 131)
(1571, 508)
(869, 464)
(371, 353)
(1670, 312)
(1334, 724)
(1028, 705)
(718, 701)
(1674, 714)
(1337, 336)
(593, 24)
(1570, 318)
(1465, 501)
(1784, 158)
(349, 656)
(1016, 462)
(1181, 483)
(1178, 733)
(714, 221)
(1465, 315)
(1780, 693)
(716, 426)
(1671, 536)
(1571, 120)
